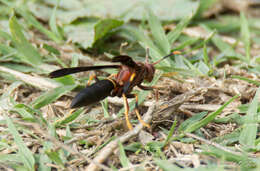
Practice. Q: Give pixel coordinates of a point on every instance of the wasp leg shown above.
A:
(145, 87)
(130, 95)
(129, 125)
(138, 114)
(128, 83)
(112, 76)
(154, 88)
(91, 77)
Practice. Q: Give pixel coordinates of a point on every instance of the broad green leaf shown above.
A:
(82, 33)
(87, 32)
(103, 27)
(166, 10)
(30, 54)
(204, 6)
(249, 132)
(51, 96)
(25, 154)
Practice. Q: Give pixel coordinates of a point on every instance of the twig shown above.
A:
(108, 150)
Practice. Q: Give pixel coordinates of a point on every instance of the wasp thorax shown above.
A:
(149, 72)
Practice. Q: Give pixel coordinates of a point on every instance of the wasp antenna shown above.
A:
(171, 54)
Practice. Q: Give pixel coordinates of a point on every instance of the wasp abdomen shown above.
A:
(93, 93)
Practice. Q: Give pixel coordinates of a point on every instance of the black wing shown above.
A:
(125, 60)
(67, 71)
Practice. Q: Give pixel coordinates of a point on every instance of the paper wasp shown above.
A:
(130, 74)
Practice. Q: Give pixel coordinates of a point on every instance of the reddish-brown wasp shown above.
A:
(130, 74)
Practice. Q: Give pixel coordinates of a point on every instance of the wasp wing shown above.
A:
(125, 60)
(67, 71)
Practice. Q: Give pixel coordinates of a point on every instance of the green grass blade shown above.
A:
(224, 47)
(31, 20)
(158, 33)
(25, 154)
(122, 156)
(5, 35)
(255, 82)
(145, 42)
(205, 52)
(195, 118)
(104, 104)
(51, 49)
(170, 133)
(51, 96)
(55, 157)
(209, 118)
(30, 54)
(245, 34)
(53, 24)
(176, 32)
(186, 43)
(166, 165)
(249, 132)
(67, 119)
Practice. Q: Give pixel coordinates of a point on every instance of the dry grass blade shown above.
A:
(38, 82)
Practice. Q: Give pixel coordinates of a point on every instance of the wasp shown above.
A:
(129, 75)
